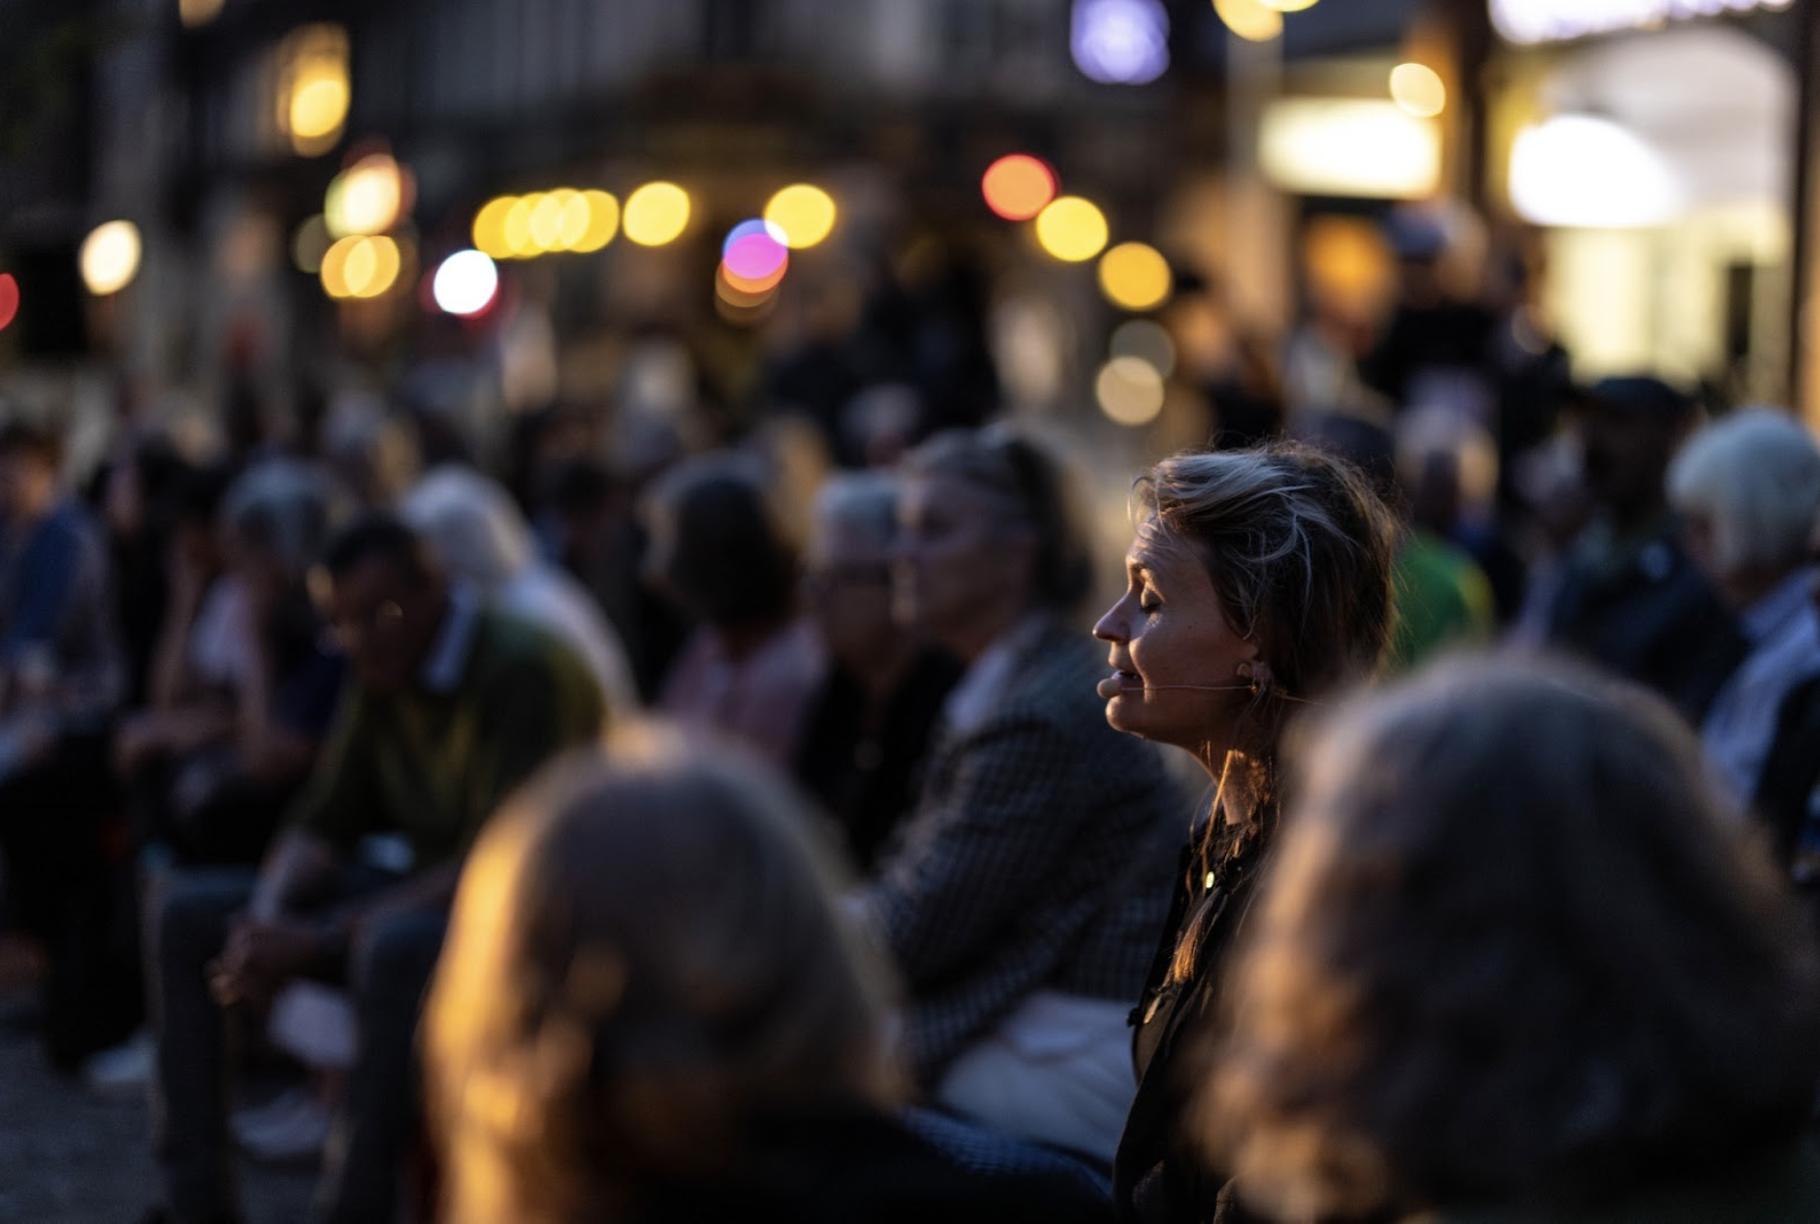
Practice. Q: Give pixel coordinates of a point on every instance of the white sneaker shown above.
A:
(123, 1072)
(291, 1128)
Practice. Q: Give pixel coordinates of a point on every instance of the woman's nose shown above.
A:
(1111, 626)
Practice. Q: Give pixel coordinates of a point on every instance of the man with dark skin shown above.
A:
(450, 706)
(1629, 597)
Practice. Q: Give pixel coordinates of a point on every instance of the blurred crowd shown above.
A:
(780, 814)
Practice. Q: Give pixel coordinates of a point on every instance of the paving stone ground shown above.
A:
(68, 1157)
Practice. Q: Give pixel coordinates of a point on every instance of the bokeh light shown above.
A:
(489, 229)
(805, 215)
(360, 267)
(1587, 172)
(603, 221)
(1129, 391)
(572, 219)
(1418, 89)
(1290, 6)
(546, 220)
(517, 230)
(1147, 341)
(310, 243)
(314, 91)
(1072, 229)
(194, 13)
(1017, 187)
(746, 294)
(1120, 42)
(9, 299)
(366, 198)
(753, 253)
(655, 214)
(466, 283)
(1135, 276)
(110, 257)
(1252, 20)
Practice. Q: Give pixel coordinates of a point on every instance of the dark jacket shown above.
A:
(859, 1167)
(1158, 1176)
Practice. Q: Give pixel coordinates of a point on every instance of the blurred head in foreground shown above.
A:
(1511, 952)
(645, 958)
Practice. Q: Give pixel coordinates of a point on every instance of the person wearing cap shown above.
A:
(1626, 595)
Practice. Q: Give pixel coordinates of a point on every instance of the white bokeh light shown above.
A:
(1584, 172)
(465, 283)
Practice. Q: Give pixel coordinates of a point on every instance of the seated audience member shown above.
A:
(650, 1009)
(871, 724)
(481, 536)
(1029, 885)
(1516, 963)
(61, 679)
(1625, 594)
(719, 550)
(449, 706)
(1259, 581)
(1747, 488)
(244, 691)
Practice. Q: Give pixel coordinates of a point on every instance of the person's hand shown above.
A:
(140, 738)
(260, 958)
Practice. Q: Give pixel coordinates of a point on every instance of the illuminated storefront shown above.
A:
(1654, 141)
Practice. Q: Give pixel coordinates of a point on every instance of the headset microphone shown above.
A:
(1112, 686)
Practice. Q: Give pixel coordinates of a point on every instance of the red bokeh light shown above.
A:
(1018, 186)
(9, 299)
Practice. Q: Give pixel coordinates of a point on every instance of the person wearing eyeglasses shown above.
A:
(1025, 894)
(870, 726)
(450, 706)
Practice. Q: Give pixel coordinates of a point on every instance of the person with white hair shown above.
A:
(473, 525)
(1747, 488)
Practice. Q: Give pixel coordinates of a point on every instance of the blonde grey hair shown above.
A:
(646, 954)
(864, 501)
(1755, 475)
(1511, 951)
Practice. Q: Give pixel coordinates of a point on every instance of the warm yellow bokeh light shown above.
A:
(1129, 391)
(489, 231)
(310, 243)
(318, 107)
(602, 221)
(313, 90)
(804, 213)
(655, 214)
(334, 270)
(1418, 89)
(195, 13)
(519, 244)
(546, 222)
(1251, 20)
(366, 198)
(1072, 229)
(572, 219)
(1290, 6)
(360, 267)
(1135, 276)
(110, 257)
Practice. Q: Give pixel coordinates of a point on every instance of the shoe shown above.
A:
(122, 1073)
(291, 1128)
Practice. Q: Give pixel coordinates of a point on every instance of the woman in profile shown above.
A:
(1515, 964)
(650, 1009)
(1257, 583)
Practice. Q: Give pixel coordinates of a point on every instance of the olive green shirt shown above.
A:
(430, 763)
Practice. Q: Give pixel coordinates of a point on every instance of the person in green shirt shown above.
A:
(450, 706)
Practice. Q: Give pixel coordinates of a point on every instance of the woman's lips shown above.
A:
(1118, 682)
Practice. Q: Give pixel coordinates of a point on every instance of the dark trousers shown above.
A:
(389, 966)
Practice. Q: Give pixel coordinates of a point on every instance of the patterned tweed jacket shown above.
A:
(1040, 856)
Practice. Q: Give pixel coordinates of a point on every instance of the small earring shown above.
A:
(1245, 673)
